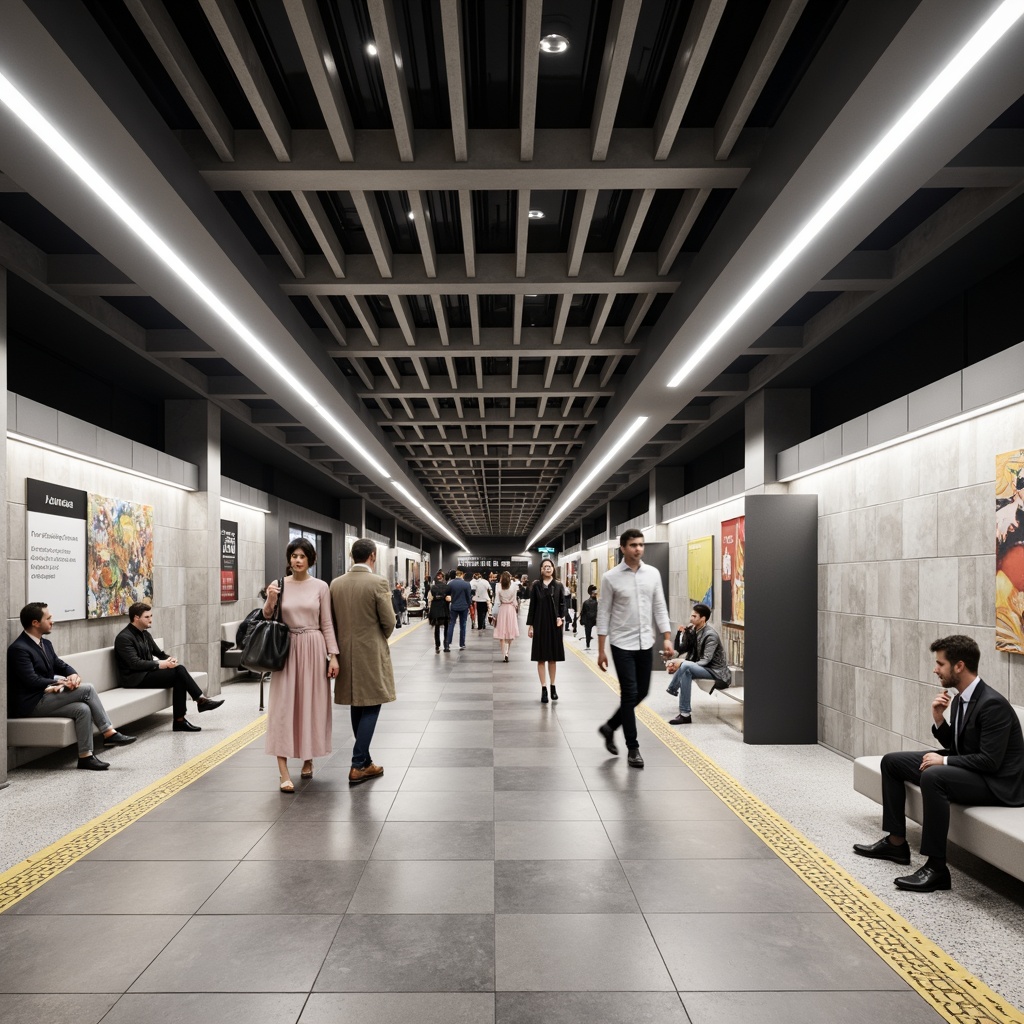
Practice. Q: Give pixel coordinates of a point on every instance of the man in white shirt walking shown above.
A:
(632, 604)
(481, 600)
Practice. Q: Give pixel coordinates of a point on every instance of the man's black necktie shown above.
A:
(959, 722)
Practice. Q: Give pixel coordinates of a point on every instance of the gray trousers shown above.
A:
(83, 705)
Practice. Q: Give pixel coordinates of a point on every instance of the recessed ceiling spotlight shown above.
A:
(411, 215)
(371, 49)
(536, 215)
(554, 43)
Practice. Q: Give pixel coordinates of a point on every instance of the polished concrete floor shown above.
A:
(506, 868)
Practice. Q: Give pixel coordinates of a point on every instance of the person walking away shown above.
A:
(506, 619)
(363, 620)
(437, 613)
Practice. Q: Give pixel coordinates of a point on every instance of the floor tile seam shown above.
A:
(22, 879)
(948, 987)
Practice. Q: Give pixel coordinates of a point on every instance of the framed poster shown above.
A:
(55, 543)
(733, 602)
(120, 570)
(700, 584)
(1010, 552)
(228, 561)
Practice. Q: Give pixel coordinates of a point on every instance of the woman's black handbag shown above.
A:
(267, 644)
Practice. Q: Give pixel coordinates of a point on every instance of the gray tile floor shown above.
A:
(504, 869)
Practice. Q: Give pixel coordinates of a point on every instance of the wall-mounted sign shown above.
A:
(56, 556)
(228, 561)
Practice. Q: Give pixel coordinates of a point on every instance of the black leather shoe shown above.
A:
(92, 764)
(609, 738)
(680, 719)
(543, 695)
(118, 739)
(554, 692)
(635, 760)
(208, 704)
(884, 850)
(926, 879)
(186, 726)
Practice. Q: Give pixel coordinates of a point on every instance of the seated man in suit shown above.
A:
(140, 663)
(982, 762)
(40, 685)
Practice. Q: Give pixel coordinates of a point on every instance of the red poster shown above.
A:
(733, 603)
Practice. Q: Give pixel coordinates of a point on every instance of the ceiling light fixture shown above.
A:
(411, 215)
(554, 43)
(997, 25)
(371, 49)
(51, 137)
(578, 490)
(536, 215)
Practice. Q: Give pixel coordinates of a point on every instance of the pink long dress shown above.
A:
(299, 707)
(506, 625)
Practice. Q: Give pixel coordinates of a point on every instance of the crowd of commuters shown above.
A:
(339, 634)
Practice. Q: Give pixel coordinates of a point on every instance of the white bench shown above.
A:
(995, 834)
(122, 705)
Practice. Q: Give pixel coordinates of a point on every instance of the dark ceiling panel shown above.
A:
(349, 31)
(24, 215)
(911, 214)
(551, 232)
(492, 48)
(567, 81)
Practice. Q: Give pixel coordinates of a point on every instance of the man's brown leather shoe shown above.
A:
(357, 775)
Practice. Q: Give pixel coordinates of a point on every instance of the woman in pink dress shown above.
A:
(505, 612)
(299, 709)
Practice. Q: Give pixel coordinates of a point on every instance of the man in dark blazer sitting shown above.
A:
(140, 663)
(982, 762)
(41, 685)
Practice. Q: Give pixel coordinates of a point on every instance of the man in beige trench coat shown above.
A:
(363, 621)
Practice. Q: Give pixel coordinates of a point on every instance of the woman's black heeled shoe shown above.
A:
(554, 692)
(543, 695)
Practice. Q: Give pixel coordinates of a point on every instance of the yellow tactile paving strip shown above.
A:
(29, 875)
(24, 878)
(951, 990)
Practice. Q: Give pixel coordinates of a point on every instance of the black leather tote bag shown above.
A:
(267, 644)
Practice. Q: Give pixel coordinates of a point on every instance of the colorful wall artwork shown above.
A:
(700, 570)
(1010, 552)
(120, 569)
(733, 548)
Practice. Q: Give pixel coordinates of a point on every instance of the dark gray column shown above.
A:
(780, 657)
(774, 419)
(3, 532)
(192, 432)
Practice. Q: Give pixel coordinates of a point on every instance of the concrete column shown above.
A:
(3, 532)
(617, 512)
(774, 419)
(665, 484)
(192, 432)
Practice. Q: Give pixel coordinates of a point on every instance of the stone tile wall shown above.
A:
(906, 554)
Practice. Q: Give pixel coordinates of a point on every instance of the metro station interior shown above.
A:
(487, 281)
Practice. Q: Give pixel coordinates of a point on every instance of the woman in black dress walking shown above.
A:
(545, 619)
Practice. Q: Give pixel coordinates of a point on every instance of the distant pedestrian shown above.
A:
(588, 614)
(438, 614)
(545, 619)
(506, 622)
(461, 594)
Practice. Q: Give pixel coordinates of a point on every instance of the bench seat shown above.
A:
(122, 705)
(995, 834)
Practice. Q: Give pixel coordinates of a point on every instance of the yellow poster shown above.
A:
(699, 570)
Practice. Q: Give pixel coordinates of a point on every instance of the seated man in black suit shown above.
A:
(40, 685)
(140, 663)
(981, 763)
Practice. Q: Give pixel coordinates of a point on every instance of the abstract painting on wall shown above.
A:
(700, 570)
(120, 570)
(1010, 552)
